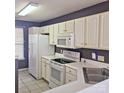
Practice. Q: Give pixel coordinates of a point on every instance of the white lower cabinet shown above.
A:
(71, 75)
(45, 69)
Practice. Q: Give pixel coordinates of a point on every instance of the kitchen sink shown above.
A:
(95, 75)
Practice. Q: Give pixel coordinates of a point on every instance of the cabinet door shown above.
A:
(104, 31)
(47, 72)
(43, 69)
(41, 30)
(51, 34)
(46, 29)
(70, 26)
(79, 32)
(56, 29)
(92, 31)
(62, 27)
(70, 78)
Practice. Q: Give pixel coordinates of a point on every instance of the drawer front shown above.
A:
(71, 71)
(70, 78)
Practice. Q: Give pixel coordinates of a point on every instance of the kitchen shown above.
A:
(66, 51)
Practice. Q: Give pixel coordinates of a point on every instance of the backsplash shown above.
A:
(87, 53)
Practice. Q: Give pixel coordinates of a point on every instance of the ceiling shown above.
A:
(49, 9)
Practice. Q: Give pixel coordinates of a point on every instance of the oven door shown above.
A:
(57, 74)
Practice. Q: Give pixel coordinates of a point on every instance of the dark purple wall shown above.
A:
(102, 7)
(25, 25)
(86, 53)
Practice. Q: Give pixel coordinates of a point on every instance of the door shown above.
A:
(104, 31)
(62, 27)
(92, 31)
(70, 26)
(56, 29)
(51, 34)
(79, 32)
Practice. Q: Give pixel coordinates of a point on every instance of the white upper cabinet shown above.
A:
(79, 32)
(66, 27)
(56, 29)
(104, 31)
(62, 27)
(53, 31)
(70, 26)
(92, 31)
(44, 29)
(51, 34)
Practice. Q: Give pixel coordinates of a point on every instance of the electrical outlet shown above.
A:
(100, 58)
(61, 51)
(93, 55)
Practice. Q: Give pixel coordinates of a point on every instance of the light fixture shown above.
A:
(27, 9)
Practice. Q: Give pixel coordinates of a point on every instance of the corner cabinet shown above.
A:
(92, 31)
(104, 31)
(51, 35)
(79, 32)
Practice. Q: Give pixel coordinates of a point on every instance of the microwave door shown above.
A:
(62, 42)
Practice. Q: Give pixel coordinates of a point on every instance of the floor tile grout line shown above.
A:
(25, 74)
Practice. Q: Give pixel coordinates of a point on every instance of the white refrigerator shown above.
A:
(38, 46)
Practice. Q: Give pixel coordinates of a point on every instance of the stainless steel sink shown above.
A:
(95, 75)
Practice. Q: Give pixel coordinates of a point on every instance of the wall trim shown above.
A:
(22, 69)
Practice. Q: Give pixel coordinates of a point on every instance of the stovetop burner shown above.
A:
(63, 60)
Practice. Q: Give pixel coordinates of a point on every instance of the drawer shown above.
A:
(70, 78)
(71, 71)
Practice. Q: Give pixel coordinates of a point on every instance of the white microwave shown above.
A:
(66, 40)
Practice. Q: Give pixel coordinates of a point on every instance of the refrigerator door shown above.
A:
(33, 58)
(44, 50)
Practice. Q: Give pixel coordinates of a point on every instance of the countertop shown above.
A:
(57, 55)
(79, 84)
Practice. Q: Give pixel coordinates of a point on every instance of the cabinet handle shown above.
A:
(85, 43)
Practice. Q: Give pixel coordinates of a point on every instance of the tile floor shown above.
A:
(27, 84)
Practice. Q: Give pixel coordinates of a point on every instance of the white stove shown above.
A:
(57, 67)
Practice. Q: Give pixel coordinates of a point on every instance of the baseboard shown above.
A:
(22, 69)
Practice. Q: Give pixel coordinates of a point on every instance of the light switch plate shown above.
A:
(100, 58)
(93, 55)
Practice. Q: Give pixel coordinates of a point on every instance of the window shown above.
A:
(19, 43)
